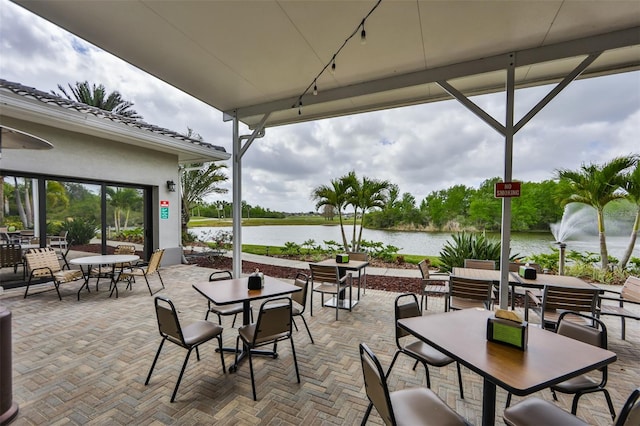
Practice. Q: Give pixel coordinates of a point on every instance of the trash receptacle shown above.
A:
(8, 409)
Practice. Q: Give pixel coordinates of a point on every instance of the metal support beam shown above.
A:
(505, 247)
(508, 131)
(238, 151)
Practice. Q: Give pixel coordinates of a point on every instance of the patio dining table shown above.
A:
(549, 358)
(351, 265)
(236, 290)
(87, 262)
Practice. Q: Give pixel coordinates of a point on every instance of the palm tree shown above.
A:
(334, 195)
(197, 181)
(368, 194)
(596, 186)
(632, 187)
(97, 96)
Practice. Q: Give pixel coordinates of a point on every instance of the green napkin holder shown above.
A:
(527, 273)
(507, 332)
(342, 258)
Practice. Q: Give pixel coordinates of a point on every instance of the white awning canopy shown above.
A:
(255, 57)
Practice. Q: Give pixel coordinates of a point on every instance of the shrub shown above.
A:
(469, 246)
(81, 231)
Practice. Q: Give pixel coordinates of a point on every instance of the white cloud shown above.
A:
(420, 148)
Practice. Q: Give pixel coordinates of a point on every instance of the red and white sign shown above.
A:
(164, 203)
(507, 189)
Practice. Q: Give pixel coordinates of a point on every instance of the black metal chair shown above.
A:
(224, 310)
(300, 297)
(536, 411)
(578, 386)
(273, 326)
(189, 337)
(413, 406)
(418, 350)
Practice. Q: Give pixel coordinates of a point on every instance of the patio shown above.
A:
(85, 363)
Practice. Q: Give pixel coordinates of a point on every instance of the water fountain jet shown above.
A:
(575, 218)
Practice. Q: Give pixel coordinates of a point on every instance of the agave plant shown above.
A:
(465, 245)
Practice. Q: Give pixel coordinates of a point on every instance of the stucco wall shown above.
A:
(89, 157)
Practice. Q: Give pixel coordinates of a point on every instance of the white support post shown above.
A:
(505, 247)
(237, 200)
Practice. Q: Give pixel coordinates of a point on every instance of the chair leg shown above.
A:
(233, 324)
(184, 366)
(393, 361)
(508, 400)
(148, 286)
(295, 359)
(253, 380)
(555, 397)
(624, 323)
(160, 276)
(307, 327)
(610, 404)
(224, 368)
(460, 380)
(146, 382)
(57, 286)
(426, 373)
(366, 414)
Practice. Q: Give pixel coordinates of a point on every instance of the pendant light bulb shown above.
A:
(333, 65)
(363, 36)
(315, 89)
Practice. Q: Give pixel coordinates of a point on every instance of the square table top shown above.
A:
(550, 358)
(235, 290)
(515, 279)
(352, 265)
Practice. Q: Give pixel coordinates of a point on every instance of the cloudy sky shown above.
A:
(420, 148)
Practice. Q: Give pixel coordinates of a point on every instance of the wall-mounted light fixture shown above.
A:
(171, 186)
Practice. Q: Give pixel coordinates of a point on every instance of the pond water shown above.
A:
(419, 243)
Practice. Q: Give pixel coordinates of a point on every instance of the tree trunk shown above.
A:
(21, 213)
(355, 222)
(27, 204)
(603, 241)
(344, 236)
(357, 247)
(632, 241)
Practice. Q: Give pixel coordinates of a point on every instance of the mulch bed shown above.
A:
(377, 282)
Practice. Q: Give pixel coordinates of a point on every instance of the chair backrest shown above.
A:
(406, 306)
(300, 297)
(154, 262)
(631, 289)
(125, 249)
(469, 288)
(358, 255)
(168, 323)
(220, 275)
(570, 299)
(10, 255)
(423, 265)
(595, 335)
(375, 384)
(480, 264)
(274, 321)
(324, 274)
(42, 258)
(630, 413)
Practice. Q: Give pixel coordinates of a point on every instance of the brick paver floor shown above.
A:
(85, 362)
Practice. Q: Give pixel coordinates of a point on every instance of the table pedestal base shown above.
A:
(342, 303)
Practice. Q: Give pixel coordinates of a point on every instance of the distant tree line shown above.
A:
(460, 207)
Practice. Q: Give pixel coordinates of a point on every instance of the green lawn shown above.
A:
(289, 220)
